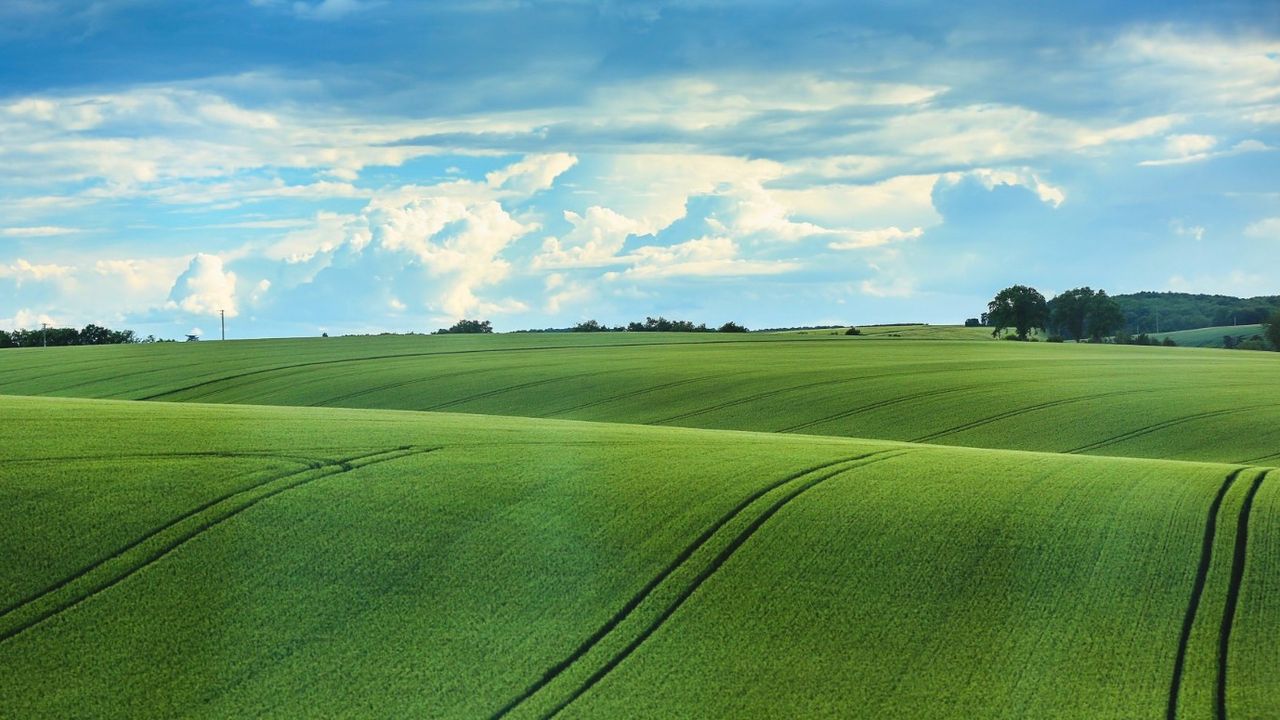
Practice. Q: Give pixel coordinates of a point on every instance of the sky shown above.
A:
(353, 166)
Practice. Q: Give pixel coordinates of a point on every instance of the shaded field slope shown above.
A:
(165, 559)
(1172, 403)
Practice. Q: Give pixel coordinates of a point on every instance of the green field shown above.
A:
(1210, 337)
(742, 531)
(1171, 403)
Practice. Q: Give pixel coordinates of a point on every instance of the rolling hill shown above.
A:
(605, 525)
(1171, 403)
(197, 560)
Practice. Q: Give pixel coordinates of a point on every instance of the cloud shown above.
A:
(24, 271)
(1196, 148)
(596, 239)
(858, 239)
(38, 231)
(1265, 229)
(204, 288)
(26, 318)
(532, 174)
(1182, 229)
(703, 257)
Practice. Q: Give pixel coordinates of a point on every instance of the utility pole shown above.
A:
(44, 335)
(223, 314)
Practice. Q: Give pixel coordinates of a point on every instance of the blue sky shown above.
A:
(365, 166)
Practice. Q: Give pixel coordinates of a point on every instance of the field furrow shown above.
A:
(1238, 561)
(160, 542)
(573, 676)
(1197, 589)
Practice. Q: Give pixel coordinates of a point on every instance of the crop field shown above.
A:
(535, 526)
(1170, 403)
(219, 561)
(1210, 337)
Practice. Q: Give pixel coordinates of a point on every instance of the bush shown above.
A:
(1252, 344)
(732, 327)
(589, 326)
(973, 322)
(472, 327)
(853, 331)
(1055, 338)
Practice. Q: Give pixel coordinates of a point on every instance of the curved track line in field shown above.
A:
(337, 467)
(397, 385)
(479, 351)
(511, 388)
(876, 406)
(804, 386)
(255, 454)
(1197, 589)
(1258, 460)
(1147, 430)
(834, 468)
(1233, 594)
(634, 393)
(313, 465)
(1022, 411)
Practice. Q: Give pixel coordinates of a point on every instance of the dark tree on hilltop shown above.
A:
(1019, 307)
(589, 326)
(732, 327)
(1271, 330)
(1069, 311)
(468, 327)
(1105, 316)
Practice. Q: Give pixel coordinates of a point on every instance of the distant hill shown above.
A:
(1210, 336)
(1169, 311)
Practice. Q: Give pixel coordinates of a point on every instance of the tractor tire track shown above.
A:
(511, 388)
(817, 475)
(447, 353)
(1147, 430)
(309, 475)
(1197, 590)
(19, 604)
(819, 383)
(1258, 460)
(634, 393)
(255, 454)
(1233, 594)
(1022, 411)
(328, 402)
(876, 406)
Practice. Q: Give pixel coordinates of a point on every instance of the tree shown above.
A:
(1070, 310)
(732, 327)
(1271, 330)
(589, 326)
(973, 322)
(468, 327)
(1019, 307)
(1104, 316)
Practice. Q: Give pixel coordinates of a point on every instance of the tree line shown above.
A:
(64, 336)
(1170, 311)
(1082, 314)
(650, 324)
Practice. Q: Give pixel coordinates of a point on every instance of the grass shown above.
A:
(1172, 403)
(226, 560)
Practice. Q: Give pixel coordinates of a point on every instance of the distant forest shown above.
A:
(1168, 311)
